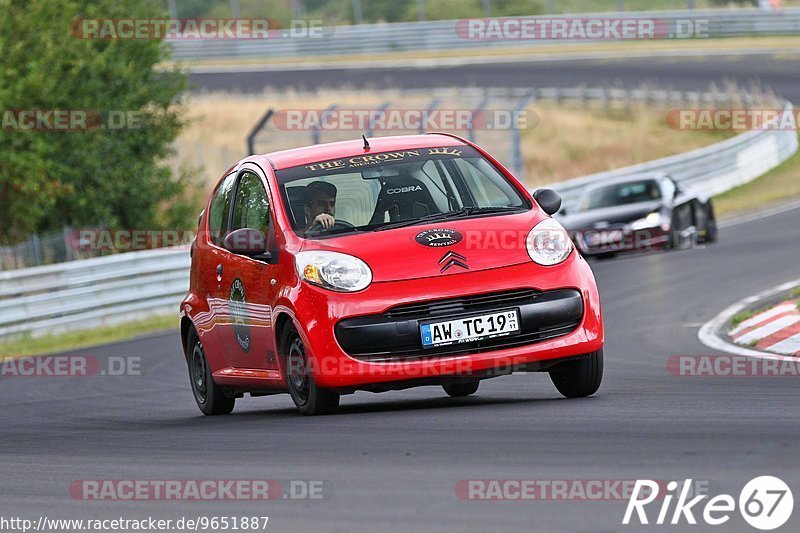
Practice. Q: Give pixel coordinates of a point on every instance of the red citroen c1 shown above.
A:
(379, 265)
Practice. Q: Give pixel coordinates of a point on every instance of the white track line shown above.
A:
(777, 210)
(439, 62)
(708, 333)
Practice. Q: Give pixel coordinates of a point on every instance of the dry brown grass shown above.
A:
(566, 142)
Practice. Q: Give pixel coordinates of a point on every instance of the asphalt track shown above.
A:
(393, 460)
(775, 71)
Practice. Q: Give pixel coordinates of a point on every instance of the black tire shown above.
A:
(459, 390)
(309, 399)
(581, 378)
(710, 234)
(208, 395)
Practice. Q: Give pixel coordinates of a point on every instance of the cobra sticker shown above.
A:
(239, 318)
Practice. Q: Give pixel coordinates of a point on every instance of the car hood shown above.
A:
(609, 215)
(426, 250)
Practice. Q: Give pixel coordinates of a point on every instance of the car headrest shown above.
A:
(403, 198)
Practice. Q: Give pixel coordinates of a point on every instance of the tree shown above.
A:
(114, 177)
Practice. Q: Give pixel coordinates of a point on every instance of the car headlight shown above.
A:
(332, 270)
(548, 243)
(652, 220)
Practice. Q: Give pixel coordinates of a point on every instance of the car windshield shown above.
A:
(620, 194)
(378, 191)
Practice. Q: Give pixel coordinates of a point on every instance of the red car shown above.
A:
(381, 265)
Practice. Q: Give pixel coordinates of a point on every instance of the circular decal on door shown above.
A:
(239, 319)
(436, 238)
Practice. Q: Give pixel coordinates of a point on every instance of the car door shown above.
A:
(249, 284)
(210, 256)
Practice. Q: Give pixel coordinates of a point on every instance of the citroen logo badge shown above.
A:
(451, 259)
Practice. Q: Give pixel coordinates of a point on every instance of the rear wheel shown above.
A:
(577, 379)
(459, 390)
(710, 235)
(209, 396)
(307, 396)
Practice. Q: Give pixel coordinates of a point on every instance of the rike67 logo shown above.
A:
(765, 502)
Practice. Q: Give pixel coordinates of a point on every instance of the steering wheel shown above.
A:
(317, 229)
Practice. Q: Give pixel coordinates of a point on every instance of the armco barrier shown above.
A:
(91, 292)
(442, 35)
(713, 169)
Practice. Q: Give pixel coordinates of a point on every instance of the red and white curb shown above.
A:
(775, 330)
(772, 327)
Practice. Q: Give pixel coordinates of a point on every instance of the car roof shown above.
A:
(322, 152)
(655, 176)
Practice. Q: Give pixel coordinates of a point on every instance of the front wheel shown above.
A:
(209, 396)
(459, 390)
(307, 396)
(581, 378)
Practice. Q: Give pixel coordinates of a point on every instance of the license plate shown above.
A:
(603, 237)
(474, 328)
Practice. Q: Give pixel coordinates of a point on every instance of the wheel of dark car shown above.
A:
(577, 379)
(459, 390)
(710, 234)
(307, 396)
(209, 396)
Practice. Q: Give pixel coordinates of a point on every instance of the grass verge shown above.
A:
(780, 184)
(73, 340)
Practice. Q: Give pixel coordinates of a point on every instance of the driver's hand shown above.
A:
(325, 220)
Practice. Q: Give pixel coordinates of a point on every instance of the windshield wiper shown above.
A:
(413, 221)
(463, 212)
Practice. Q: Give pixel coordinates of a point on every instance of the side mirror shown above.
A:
(548, 199)
(249, 242)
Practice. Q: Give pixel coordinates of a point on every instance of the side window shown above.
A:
(486, 191)
(218, 210)
(251, 209)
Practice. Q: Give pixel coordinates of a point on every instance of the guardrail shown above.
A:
(713, 169)
(109, 289)
(92, 292)
(442, 35)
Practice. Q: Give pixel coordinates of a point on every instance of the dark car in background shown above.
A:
(638, 213)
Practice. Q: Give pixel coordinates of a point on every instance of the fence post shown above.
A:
(431, 106)
(517, 164)
(36, 246)
(251, 138)
(316, 135)
(372, 119)
(475, 114)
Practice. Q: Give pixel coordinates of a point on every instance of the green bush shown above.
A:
(115, 177)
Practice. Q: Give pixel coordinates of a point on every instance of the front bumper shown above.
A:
(618, 239)
(357, 342)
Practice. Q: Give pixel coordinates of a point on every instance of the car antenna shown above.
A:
(366, 142)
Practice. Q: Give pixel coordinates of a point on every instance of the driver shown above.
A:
(320, 205)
